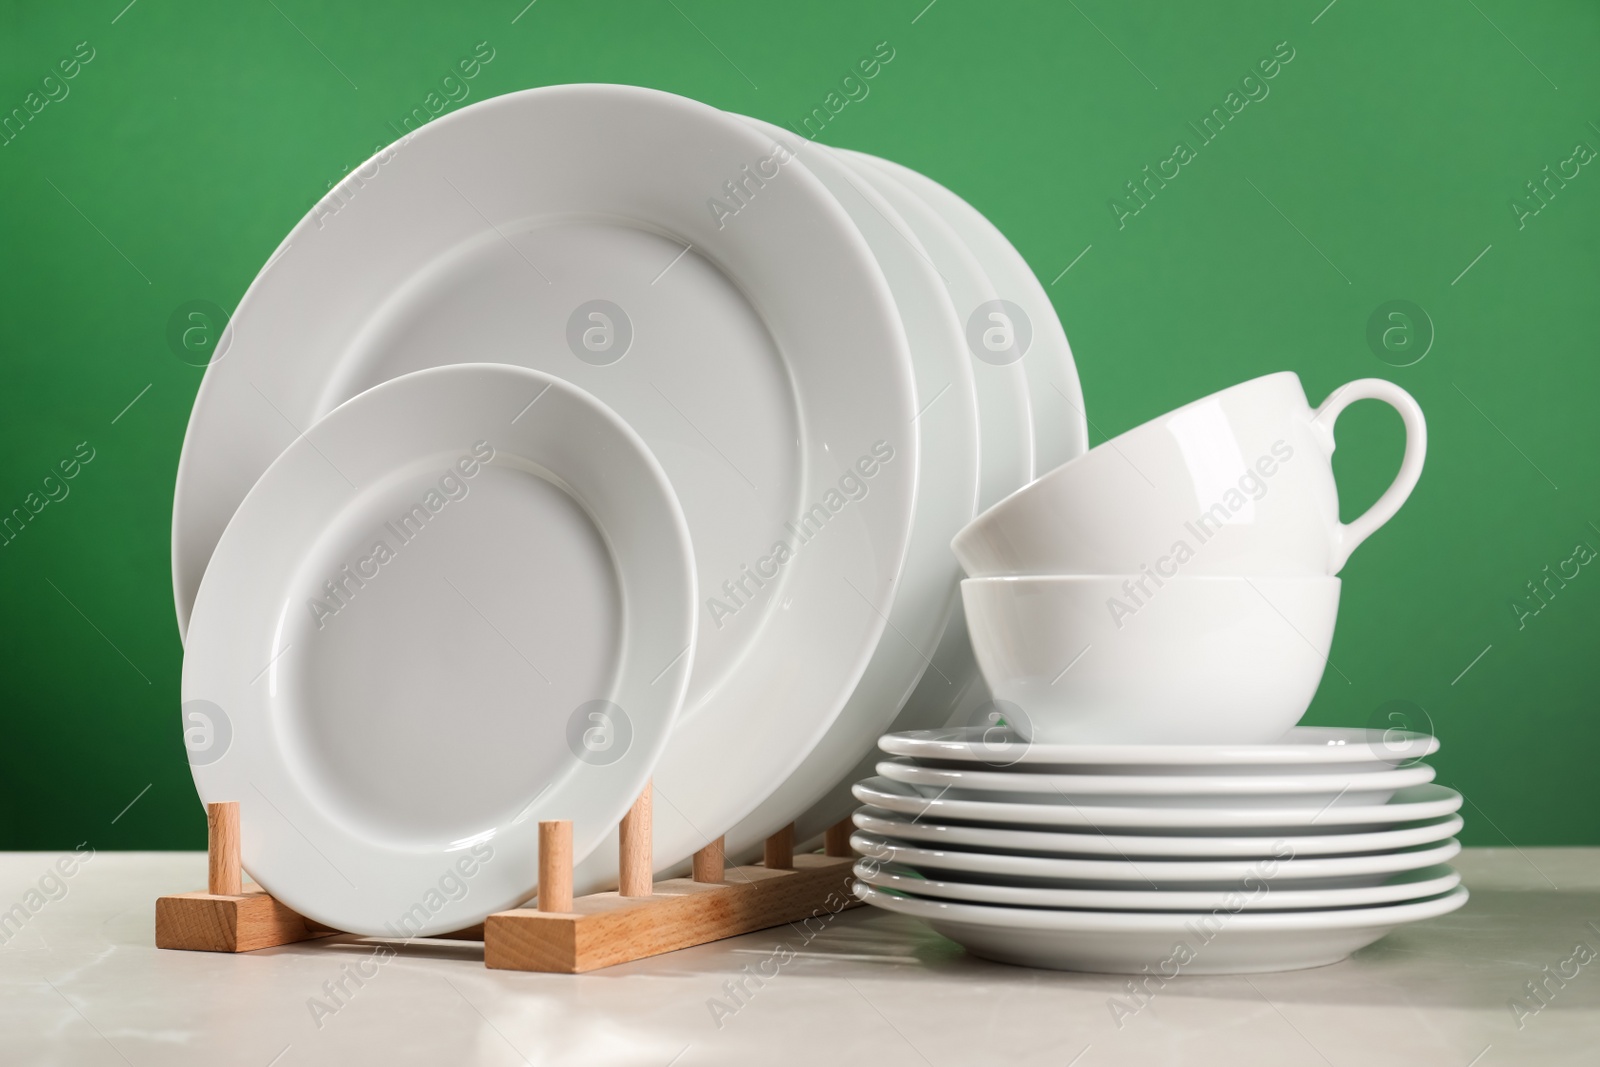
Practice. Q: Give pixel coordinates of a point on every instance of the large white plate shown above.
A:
(1004, 412)
(1055, 395)
(947, 492)
(457, 605)
(977, 265)
(1001, 839)
(594, 232)
(999, 868)
(1304, 749)
(1409, 885)
(1167, 944)
(1412, 804)
(1357, 789)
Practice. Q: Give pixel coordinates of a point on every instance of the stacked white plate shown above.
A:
(1160, 859)
(590, 436)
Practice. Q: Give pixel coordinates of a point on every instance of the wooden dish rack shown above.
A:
(560, 934)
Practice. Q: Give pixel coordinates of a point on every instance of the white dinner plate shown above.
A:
(597, 233)
(1408, 805)
(460, 603)
(1000, 839)
(1303, 750)
(976, 261)
(947, 488)
(1359, 789)
(1408, 885)
(1284, 866)
(1002, 387)
(1060, 428)
(1167, 944)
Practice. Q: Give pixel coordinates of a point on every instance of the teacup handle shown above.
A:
(1352, 534)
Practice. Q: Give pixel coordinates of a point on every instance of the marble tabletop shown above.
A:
(84, 985)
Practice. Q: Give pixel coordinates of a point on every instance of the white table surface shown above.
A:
(84, 985)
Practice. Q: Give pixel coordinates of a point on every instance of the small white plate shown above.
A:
(1306, 749)
(1364, 869)
(1407, 805)
(1164, 944)
(461, 603)
(996, 839)
(1409, 885)
(1161, 790)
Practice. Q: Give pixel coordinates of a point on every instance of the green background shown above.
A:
(1384, 160)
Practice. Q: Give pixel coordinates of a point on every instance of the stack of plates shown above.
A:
(1196, 859)
(591, 436)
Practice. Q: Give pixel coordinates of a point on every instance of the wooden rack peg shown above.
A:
(710, 862)
(836, 840)
(634, 863)
(224, 877)
(778, 853)
(227, 917)
(555, 865)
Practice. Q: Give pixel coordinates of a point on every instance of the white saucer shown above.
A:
(1363, 869)
(461, 603)
(997, 839)
(568, 229)
(1306, 749)
(1167, 944)
(1407, 805)
(1359, 789)
(1409, 885)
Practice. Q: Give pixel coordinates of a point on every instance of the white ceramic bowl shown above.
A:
(1239, 482)
(1118, 659)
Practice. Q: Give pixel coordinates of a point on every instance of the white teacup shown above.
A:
(1132, 659)
(1239, 482)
